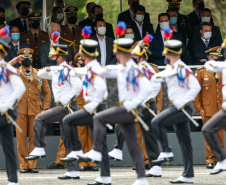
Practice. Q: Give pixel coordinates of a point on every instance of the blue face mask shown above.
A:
(15, 36)
(173, 20)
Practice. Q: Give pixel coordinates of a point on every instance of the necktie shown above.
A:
(206, 42)
(25, 25)
(36, 38)
(16, 48)
(28, 73)
(73, 30)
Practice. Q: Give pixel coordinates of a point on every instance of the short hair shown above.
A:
(59, 1)
(194, 1)
(139, 8)
(20, 3)
(98, 20)
(13, 27)
(163, 14)
(50, 26)
(54, 12)
(88, 5)
(205, 24)
(206, 10)
(95, 6)
(171, 10)
(2, 9)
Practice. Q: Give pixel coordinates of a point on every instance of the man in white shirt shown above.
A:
(66, 87)
(182, 89)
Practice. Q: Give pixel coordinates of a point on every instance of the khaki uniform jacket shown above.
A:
(30, 103)
(29, 38)
(73, 41)
(209, 98)
(158, 98)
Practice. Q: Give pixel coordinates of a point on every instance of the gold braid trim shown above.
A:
(7, 117)
(72, 43)
(116, 48)
(136, 116)
(81, 50)
(166, 50)
(3, 49)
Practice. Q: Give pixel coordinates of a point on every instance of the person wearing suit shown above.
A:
(140, 27)
(156, 46)
(194, 16)
(44, 48)
(127, 16)
(5, 39)
(97, 13)
(15, 44)
(105, 44)
(23, 9)
(89, 19)
(206, 16)
(203, 43)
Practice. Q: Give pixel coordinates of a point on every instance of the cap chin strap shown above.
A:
(116, 48)
(166, 50)
(82, 50)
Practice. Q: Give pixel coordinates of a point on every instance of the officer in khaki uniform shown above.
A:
(209, 100)
(34, 37)
(70, 32)
(29, 106)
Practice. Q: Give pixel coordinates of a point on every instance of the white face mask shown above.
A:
(60, 16)
(101, 30)
(207, 35)
(130, 36)
(206, 19)
(164, 25)
(139, 18)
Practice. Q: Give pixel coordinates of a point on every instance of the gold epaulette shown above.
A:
(144, 66)
(3, 65)
(90, 68)
(135, 67)
(200, 68)
(153, 64)
(181, 66)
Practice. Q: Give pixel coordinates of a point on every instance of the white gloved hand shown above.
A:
(224, 106)
(211, 66)
(3, 108)
(178, 104)
(129, 105)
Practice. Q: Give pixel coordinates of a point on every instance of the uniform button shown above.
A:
(36, 58)
(36, 47)
(204, 103)
(217, 90)
(28, 99)
(29, 88)
(29, 94)
(206, 88)
(217, 101)
(218, 96)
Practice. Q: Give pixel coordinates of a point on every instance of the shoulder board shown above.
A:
(153, 65)
(200, 68)
(90, 68)
(135, 67)
(181, 66)
(3, 65)
(144, 66)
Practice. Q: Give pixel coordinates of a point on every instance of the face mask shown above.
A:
(135, 4)
(35, 25)
(130, 36)
(25, 11)
(206, 19)
(164, 25)
(60, 16)
(139, 18)
(15, 36)
(201, 5)
(26, 63)
(81, 63)
(135, 60)
(166, 61)
(2, 20)
(99, 16)
(101, 30)
(173, 20)
(72, 20)
(207, 35)
(53, 62)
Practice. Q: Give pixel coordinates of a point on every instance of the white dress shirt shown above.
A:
(204, 40)
(13, 90)
(22, 20)
(155, 86)
(140, 28)
(130, 97)
(66, 91)
(103, 50)
(96, 91)
(177, 94)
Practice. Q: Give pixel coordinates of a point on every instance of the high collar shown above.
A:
(130, 63)
(92, 63)
(63, 64)
(176, 63)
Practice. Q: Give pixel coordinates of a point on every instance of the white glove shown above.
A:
(3, 108)
(178, 104)
(211, 66)
(224, 106)
(129, 105)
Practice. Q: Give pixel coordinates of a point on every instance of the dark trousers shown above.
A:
(126, 120)
(83, 118)
(180, 123)
(50, 116)
(151, 143)
(209, 130)
(6, 139)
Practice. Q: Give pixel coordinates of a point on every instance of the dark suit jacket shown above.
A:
(157, 45)
(17, 22)
(194, 19)
(12, 53)
(125, 16)
(44, 49)
(110, 57)
(109, 30)
(85, 22)
(147, 28)
(199, 49)
(216, 34)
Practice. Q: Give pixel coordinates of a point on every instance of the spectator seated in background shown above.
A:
(15, 44)
(105, 44)
(156, 46)
(203, 43)
(140, 27)
(127, 16)
(44, 48)
(2, 25)
(206, 16)
(130, 33)
(89, 19)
